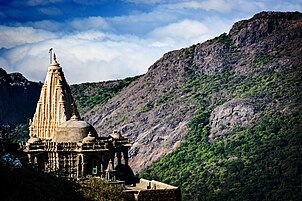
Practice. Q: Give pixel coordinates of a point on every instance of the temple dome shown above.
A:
(73, 130)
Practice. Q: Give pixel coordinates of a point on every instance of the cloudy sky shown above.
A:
(100, 40)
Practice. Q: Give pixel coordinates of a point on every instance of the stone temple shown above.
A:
(61, 142)
(64, 144)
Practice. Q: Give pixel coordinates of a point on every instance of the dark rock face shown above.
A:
(155, 110)
(209, 58)
(266, 24)
(274, 34)
(19, 98)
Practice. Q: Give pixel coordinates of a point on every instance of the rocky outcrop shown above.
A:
(265, 37)
(18, 98)
(232, 114)
(209, 58)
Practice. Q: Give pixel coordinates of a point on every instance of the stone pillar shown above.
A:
(57, 164)
(29, 160)
(102, 168)
(84, 163)
(36, 165)
(79, 166)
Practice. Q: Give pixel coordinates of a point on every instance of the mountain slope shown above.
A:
(18, 98)
(232, 80)
(244, 143)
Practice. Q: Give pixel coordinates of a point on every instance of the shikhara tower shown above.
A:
(55, 106)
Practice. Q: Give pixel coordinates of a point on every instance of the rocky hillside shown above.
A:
(230, 77)
(19, 98)
(87, 95)
(244, 141)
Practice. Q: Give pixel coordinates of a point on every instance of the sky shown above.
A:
(101, 40)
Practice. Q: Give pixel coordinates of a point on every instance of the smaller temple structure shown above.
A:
(153, 190)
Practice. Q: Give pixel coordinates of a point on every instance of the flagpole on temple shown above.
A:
(50, 52)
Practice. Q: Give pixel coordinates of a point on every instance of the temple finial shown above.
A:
(50, 55)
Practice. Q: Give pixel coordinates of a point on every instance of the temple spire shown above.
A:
(56, 104)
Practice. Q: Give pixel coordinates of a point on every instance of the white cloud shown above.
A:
(50, 11)
(91, 54)
(48, 25)
(13, 36)
(183, 30)
(97, 48)
(221, 6)
(85, 56)
(187, 32)
(293, 6)
(89, 35)
(217, 5)
(140, 23)
(95, 23)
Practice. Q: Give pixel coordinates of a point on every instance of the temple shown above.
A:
(62, 143)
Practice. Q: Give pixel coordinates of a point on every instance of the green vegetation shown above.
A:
(88, 95)
(261, 162)
(224, 39)
(96, 190)
(189, 52)
(17, 134)
(149, 106)
(262, 58)
(162, 100)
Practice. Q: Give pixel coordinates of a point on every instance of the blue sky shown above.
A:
(112, 39)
